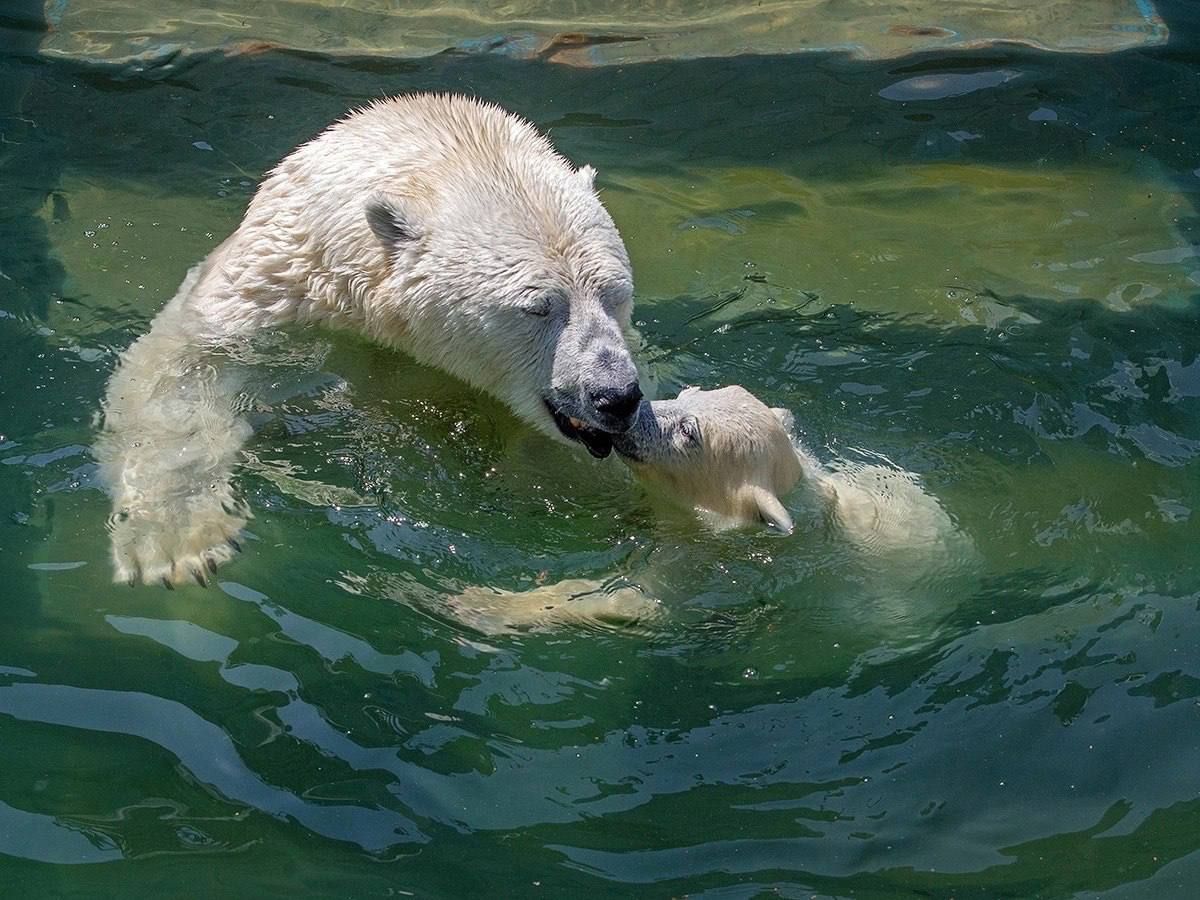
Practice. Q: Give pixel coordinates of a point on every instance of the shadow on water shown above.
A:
(1034, 379)
(29, 277)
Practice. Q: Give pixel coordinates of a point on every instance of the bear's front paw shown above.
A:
(174, 544)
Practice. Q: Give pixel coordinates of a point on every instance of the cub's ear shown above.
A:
(771, 511)
(587, 175)
(392, 223)
(786, 419)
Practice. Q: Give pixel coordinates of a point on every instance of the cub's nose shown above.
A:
(619, 403)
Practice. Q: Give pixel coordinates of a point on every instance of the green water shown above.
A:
(981, 266)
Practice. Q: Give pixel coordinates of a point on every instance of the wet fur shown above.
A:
(439, 225)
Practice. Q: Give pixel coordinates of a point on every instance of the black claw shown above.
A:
(237, 548)
(200, 579)
(167, 583)
(210, 564)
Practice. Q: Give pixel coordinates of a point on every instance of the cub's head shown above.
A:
(723, 451)
(503, 267)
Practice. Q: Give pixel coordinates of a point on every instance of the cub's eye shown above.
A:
(689, 430)
(541, 309)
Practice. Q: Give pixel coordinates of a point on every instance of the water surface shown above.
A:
(978, 265)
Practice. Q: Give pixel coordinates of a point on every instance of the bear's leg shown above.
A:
(167, 450)
(575, 601)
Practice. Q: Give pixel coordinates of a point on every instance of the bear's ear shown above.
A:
(392, 223)
(587, 175)
(786, 419)
(771, 511)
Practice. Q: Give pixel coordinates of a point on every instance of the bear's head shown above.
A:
(722, 451)
(506, 270)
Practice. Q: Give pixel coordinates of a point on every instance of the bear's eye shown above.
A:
(539, 304)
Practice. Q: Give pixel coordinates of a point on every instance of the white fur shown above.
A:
(883, 510)
(439, 225)
(169, 442)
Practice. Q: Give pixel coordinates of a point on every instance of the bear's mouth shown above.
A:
(599, 443)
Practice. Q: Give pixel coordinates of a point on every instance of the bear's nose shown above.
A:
(620, 403)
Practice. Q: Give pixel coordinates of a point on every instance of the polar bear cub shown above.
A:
(732, 457)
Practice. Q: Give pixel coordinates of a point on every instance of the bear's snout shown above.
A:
(618, 404)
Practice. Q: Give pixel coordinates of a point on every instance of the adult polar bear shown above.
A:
(440, 225)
